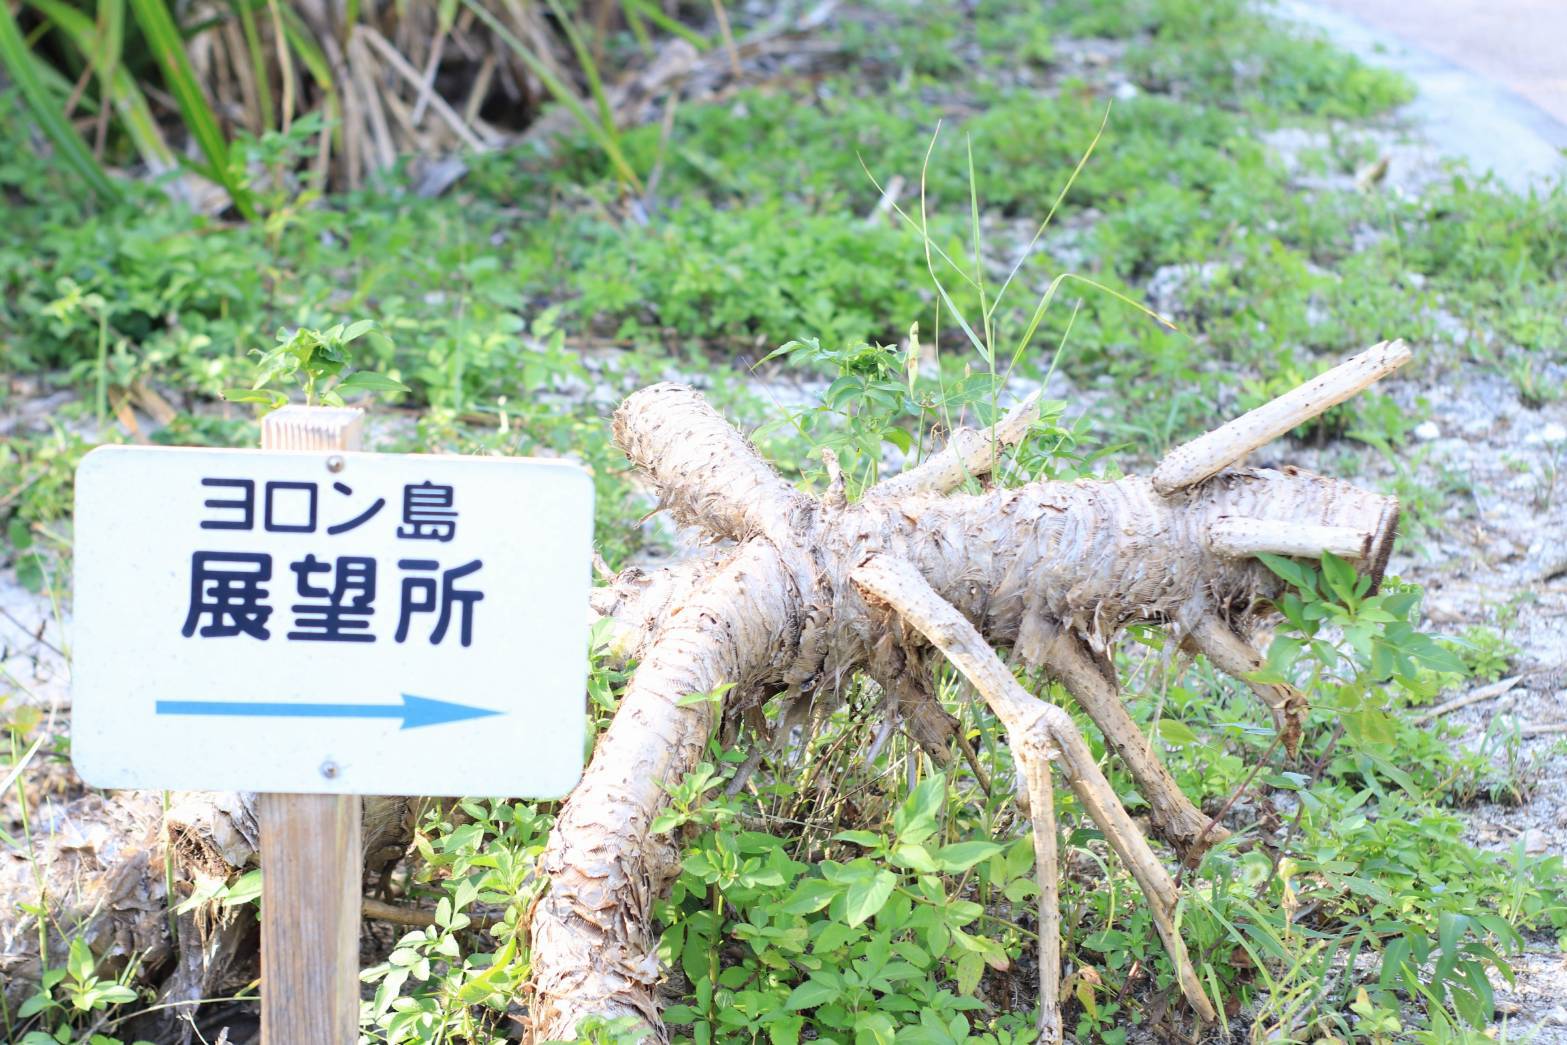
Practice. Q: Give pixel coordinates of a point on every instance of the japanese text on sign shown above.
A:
(328, 597)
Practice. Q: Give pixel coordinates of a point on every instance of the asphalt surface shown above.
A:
(1492, 77)
(1520, 44)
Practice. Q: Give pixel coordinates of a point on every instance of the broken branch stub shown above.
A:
(968, 453)
(1241, 538)
(1209, 454)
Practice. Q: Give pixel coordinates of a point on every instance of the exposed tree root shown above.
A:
(1040, 734)
(1052, 570)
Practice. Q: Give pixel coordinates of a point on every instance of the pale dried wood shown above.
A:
(1238, 537)
(1038, 731)
(400, 65)
(310, 907)
(1209, 454)
(1495, 689)
(313, 428)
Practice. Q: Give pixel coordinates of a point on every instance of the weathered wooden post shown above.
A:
(310, 843)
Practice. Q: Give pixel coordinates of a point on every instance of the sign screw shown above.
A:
(334, 464)
(329, 770)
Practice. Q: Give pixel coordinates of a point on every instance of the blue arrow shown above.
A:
(414, 711)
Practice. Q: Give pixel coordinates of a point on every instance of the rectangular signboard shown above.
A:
(330, 622)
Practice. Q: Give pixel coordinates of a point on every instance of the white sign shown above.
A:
(330, 622)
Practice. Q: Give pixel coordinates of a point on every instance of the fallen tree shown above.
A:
(808, 591)
(796, 596)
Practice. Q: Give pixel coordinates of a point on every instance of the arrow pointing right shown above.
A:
(414, 711)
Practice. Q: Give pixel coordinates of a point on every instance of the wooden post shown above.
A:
(312, 865)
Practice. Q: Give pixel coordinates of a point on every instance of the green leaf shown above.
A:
(356, 329)
(866, 839)
(246, 887)
(867, 895)
(715, 696)
(971, 966)
(898, 437)
(874, 1027)
(1450, 927)
(366, 381)
(116, 994)
(1302, 577)
(1175, 732)
(1021, 890)
(915, 820)
(811, 993)
(1340, 577)
(272, 399)
(79, 962)
(810, 896)
(959, 857)
(785, 1031)
(916, 858)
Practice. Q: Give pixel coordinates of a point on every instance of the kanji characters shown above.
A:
(427, 513)
(337, 597)
(340, 613)
(420, 596)
(226, 588)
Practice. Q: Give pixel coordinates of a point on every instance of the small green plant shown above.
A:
(68, 997)
(1487, 653)
(1501, 771)
(454, 979)
(315, 360)
(877, 943)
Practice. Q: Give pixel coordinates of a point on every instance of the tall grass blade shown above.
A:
(590, 68)
(157, 24)
(119, 86)
(20, 62)
(258, 61)
(653, 13)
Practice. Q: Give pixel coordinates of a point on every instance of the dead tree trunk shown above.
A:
(1052, 570)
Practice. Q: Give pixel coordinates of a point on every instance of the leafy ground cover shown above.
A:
(842, 888)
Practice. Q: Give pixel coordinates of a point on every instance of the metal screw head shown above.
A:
(334, 464)
(329, 770)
